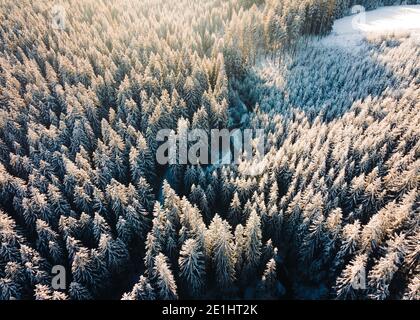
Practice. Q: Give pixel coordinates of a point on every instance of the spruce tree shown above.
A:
(192, 266)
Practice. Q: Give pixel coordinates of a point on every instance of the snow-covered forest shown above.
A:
(333, 215)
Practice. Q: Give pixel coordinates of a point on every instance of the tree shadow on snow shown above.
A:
(318, 79)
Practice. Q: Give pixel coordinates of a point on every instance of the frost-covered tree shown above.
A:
(165, 282)
(192, 266)
(219, 243)
(352, 281)
(141, 291)
(79, 292)
(80, 186)
(253, 244)
(235, 210)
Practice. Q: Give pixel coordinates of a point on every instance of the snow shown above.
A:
(350, 31)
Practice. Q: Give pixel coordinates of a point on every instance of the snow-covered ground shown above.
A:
(349, 31)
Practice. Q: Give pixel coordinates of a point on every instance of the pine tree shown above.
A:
(350, 284)
(99, 227)
(269, 279)
(152, 249)
(81, 268)
(239, 248)
(220, 244)
(351, 240)
(167, 288)
(192, 266)
(8, 290)
(78, 128)
(145, 193)
(45, 236)
(383, 272)
(235, 210)
(142, 290)
(253, 237)
(198, 196)
(114, 252)
(413, 289)
(79, 292)
(43, 292)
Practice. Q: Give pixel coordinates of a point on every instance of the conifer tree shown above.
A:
(220, 244)
(352, 282)
(192, 266)
(235, 210)
(167, 288)
(253, 238)
(142, 290)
